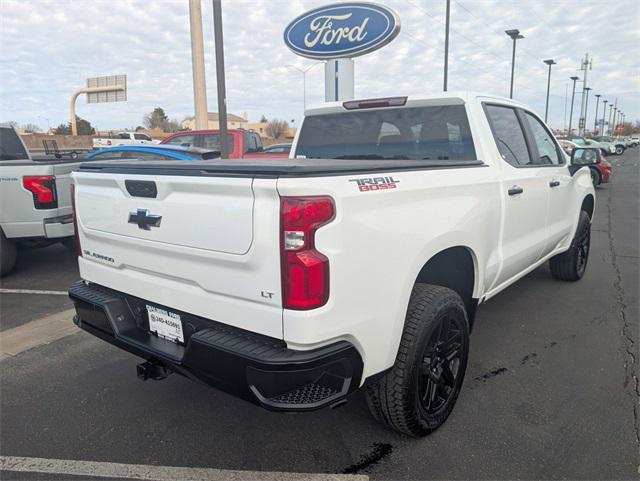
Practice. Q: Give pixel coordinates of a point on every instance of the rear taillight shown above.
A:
(75, 219)
(43, 189)
(305, 271)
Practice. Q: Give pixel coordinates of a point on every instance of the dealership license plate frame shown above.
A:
(165, 324)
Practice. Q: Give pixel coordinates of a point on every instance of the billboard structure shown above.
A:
(97, 97)
(112, 88)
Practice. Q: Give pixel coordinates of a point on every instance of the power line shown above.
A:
(453, 30)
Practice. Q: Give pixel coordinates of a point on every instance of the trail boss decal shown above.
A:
(375, 183)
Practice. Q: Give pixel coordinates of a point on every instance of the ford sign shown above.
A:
(342, 30)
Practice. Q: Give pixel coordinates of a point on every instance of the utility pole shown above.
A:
(566, 95)
(549, 62)
(595, 122)
(585, 65)
(197, 64)
(573, 94)
(586, 110)
(222, 90)
(515, 35)
(446, 46)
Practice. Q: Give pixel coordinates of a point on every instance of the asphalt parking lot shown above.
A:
(551, 391)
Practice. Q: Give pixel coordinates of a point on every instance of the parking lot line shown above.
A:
(160, 473)
(35, 333)
(32, 291)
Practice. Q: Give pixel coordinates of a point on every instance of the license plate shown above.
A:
(165, 324)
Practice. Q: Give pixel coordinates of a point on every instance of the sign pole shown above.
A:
(222, 95)
(339, 79)
(197, 61)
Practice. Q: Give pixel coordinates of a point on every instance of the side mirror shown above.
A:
(581, 157)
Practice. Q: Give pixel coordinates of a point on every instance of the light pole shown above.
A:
(573, 94)
(446, 46)
(515, 35)
(549, 62)
(586, 105)
(595, 122)
(304, 71)
(615, 114)
(610, 114)
(48, 123)
(604, 112)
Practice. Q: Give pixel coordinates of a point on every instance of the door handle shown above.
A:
(515, 190)
(554, 183)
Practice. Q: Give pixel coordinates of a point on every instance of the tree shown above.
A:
(276, 128)
(139, 128)
(13, 124)
(84, 128)
(172, 126)
(263, 119)
(156, 119)
(30, 128)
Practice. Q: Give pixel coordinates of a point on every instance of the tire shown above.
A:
(596, 177)
(70, 243)
(8, 255)
(73, 155)
(604, 152)
(403, 399)
(572, 264)
(619, 150)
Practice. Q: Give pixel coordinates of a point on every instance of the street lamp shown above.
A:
(304, 71)
(586, 106)
(573, 94)
(595, 122)
(515, 35)
(610, 113)
(48, 123)
(604, 112)
(549, 62)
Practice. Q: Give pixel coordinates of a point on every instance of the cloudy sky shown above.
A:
(49, 48)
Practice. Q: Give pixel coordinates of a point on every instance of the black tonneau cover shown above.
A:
(269, 167)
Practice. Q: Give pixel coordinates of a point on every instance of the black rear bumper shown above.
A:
(254, 367)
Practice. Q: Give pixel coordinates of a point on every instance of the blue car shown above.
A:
(152, 152)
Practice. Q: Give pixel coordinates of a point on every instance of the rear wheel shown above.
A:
(417, 395)
(572, 264)
(8, 255)
(619, 150)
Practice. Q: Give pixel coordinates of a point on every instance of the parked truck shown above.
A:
(242, 144)
(358, 263)
(123, 138)
(35, 206)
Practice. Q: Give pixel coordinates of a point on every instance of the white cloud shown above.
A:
(48, 48)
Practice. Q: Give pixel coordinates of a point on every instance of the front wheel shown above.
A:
(8, 255)
(417, 395)
(619, 150)
(572, 264)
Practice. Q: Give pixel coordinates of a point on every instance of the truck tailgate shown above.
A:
(190, 246)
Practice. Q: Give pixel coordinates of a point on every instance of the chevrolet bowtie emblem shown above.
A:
(144, 219)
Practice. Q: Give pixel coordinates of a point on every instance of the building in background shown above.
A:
(233, 121)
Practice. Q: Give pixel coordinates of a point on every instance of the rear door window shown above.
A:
(508, 134)
(212, 142)
(182, 140)
(11, 147)
(439, 133)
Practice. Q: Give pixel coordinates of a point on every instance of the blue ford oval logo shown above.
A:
(342, 30)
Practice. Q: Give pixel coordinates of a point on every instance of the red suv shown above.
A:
(244, 144)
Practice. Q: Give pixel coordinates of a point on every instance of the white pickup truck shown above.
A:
(35, 204)
(123, 138)
(357, 263)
